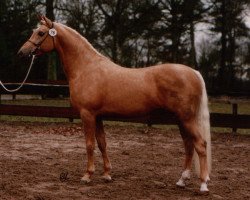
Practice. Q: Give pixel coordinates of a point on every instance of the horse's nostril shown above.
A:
(20, 53)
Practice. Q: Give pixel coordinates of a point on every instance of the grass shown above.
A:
(214, 106)
(219, 107)
(222, 107)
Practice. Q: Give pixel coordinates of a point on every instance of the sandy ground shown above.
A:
(46, 161)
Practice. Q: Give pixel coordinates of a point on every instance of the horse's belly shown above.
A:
(132, 105)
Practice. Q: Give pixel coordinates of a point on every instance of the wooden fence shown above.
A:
(233, 120)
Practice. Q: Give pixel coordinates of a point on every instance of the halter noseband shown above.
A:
(38, 45)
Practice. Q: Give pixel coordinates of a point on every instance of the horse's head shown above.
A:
(42, 40)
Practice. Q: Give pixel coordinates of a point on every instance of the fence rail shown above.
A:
(233, 120)
(38, 89)
(61, 88)
(217, 119)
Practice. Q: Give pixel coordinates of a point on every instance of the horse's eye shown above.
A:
(40, 33)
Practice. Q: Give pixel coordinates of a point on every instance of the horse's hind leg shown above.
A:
(200, 147)
(101, 140)
(189, 151)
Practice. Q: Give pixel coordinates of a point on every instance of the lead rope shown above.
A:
(20, 86)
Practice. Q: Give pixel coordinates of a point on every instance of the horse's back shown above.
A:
(141, 90)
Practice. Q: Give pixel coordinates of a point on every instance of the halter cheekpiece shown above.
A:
(52, 32)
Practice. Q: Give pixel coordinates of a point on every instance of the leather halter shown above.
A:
(38, 45)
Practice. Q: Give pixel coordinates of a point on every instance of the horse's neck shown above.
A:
(75, 51)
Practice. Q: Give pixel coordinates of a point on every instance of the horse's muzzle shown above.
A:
(28, 53)
(20, 53)
(24, 53)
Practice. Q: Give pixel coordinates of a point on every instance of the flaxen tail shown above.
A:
(204, 124)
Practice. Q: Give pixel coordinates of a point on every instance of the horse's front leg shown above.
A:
(101, 141)
(89, 125)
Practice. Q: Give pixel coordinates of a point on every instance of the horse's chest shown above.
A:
(84, 97)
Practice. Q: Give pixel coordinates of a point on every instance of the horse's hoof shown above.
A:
(85, 179)
(107, 178)
(203, 188)
(181, 183)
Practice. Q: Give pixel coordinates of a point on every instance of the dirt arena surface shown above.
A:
(45, 161)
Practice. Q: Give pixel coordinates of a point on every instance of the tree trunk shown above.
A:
(115, 46)
(231, 67)
(49, 9)
(193, 50)
(51, 66)
(222, 68)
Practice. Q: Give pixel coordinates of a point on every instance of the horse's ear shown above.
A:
(39, 16)
(47, 21)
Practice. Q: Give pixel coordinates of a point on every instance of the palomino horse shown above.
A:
(99, 87)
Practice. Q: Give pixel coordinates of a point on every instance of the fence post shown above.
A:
(0, 102)
(235, 113)
(71, 119)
